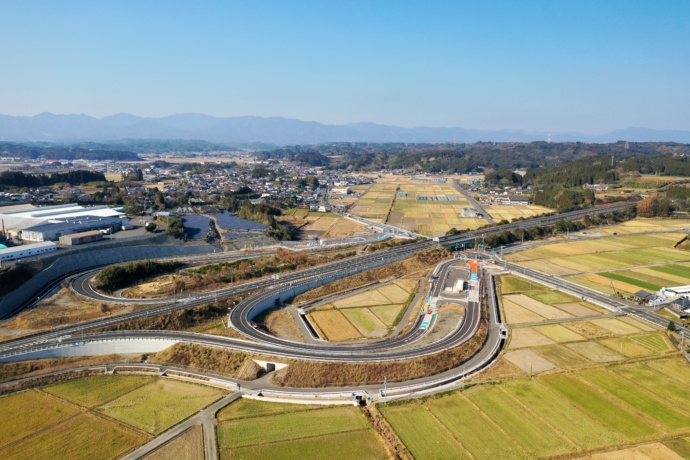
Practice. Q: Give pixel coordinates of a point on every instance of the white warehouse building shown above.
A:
(27, 250)
(673, 293)
(48, 223)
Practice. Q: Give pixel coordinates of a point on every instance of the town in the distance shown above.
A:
(189, 299)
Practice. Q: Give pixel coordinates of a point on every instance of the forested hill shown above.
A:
(464, 158)
(14, 150)
(21, 180)
(157, 146)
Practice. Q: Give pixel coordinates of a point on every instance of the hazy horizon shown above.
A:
(359, 122)
(584, 67)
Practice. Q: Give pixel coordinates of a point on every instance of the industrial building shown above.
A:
(48, 223)
(51, 231)
(81, 238)
(678, 292)
(27, 250)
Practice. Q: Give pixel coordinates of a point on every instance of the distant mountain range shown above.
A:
(235, 130)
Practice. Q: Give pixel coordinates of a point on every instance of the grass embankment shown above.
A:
(179, 320)
(317, 374)
(123, 275)
(232, 363)
(281, 324)
(64, 307)
(37, 367)
(224, 274)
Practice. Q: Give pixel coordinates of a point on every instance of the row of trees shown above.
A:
(123, 275)
(19, 179)
(33, 151)
(539, 232)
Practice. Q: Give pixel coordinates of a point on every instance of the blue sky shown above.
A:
(588, 66)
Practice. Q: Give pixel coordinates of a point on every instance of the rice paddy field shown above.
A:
(623, 264)
(508, 212)
(160, 404)
(583, 386)
(580, 413)
(187, 446)
(322, 224)
(523, 301)
(99, 417)
(580, 336)
(424, 206)
(371, 313)
(251, 429)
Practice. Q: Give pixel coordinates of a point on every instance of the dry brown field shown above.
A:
(187, 446)
(371, 313)
(334, 325)
(508, 212)
(428, 217)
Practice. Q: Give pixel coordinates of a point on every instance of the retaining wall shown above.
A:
(94, 258)
(105, 347)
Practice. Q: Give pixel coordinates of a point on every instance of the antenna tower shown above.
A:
(549, 138)
(627, 146)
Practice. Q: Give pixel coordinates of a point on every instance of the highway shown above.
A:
(339, 268)
(392, 349)
(590, 295)
(529, 223)
(266, 290)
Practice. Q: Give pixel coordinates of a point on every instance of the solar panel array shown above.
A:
(196, 226)
(225, 221)
(437, 198)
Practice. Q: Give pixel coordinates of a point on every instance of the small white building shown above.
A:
(341, 191)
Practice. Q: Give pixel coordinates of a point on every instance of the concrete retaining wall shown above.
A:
(96, 348)
(98, 257)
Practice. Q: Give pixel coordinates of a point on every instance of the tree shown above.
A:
(132, 207)
(151, 227)
(175, 227)
(671, 326)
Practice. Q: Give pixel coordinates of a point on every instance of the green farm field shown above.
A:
(625, 264)
(97, 390)
(65, 421)
(566, 389)
(84, 436)
(558, 414)
(524, 301)
(287, 431)
(158, 405)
